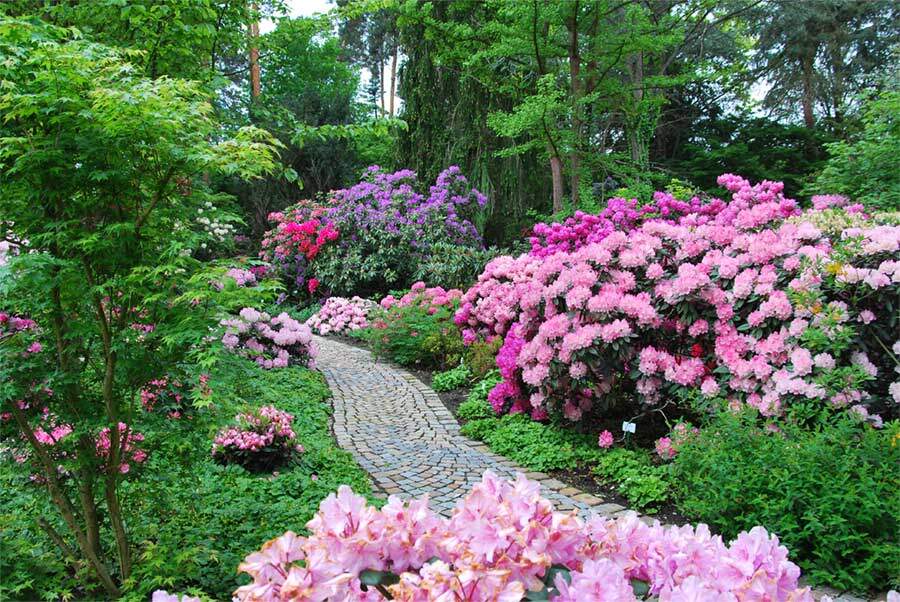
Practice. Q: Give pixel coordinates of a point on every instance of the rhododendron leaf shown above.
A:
(641, 588)
(371, 577)
(553, 571)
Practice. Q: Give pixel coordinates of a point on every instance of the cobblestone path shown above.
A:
(400, 432)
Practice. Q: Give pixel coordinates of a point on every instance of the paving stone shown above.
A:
(588, 499)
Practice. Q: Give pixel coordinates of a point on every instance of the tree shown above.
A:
(99, 170)
(818, 55)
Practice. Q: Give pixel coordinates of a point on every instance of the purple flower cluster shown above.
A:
(273, 342)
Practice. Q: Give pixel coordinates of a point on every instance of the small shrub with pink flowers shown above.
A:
(505, 542)
(339, 315)
(416, 328)
(262, 440)
(271, 341)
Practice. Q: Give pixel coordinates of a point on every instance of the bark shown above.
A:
(635, 138)
(393, 78)
(381, 85)
(556, 173)
(255, 86)
(807, 73)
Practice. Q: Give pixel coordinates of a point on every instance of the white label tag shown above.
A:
(629, 427)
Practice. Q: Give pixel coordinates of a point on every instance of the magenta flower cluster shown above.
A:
(272, 342)
(729, 299)
(340, 315)
(129, 449)
(165, 395)
(500, 543)
(262, 439)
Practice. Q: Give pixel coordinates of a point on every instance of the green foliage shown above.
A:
(865, 168)
(411, 336)
(476, 405)
(302, 315)
(453, 266)
(534, 445)
(481, 357)
(192, 520)
(832, 494)
(451, 379)
(634, 475)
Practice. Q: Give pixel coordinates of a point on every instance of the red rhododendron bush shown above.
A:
(503, 542)
(745, 302)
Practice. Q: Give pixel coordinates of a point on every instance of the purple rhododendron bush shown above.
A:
(677, 302)
(503, 542)
(373, 235)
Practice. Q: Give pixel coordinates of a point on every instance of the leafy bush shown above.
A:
(417, 328)
(452, 266)
(184, 501)
(453, 378)
(634, 475)
(481, 357)
(865, 168)
(519, 548)
(832, 493)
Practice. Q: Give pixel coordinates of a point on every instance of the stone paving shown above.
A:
(402, 435)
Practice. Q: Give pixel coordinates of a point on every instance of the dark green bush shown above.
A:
(481, 357)
(453, 378)
(831, 494)
(476, 404)
(635, 476)
(411, 336)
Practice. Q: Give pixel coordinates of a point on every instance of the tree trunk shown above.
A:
(393, 78)
(556, 172)
(634, 134)
(808, 94)
(381, 86)
(255, 87)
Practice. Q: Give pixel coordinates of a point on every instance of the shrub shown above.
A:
(272, 342)
(453, 266)
(262, 440)
(417, 328)
(300, 233)
(725, 299)
(340, 316)
(390, 229)
(831, 493)
(453, 378)
(480, 357)
(505, 540)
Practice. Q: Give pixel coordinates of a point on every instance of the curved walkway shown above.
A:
(400, 432)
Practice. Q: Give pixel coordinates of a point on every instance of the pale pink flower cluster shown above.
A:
(428, 298)
(129, 452)
(272, 342)
(500, 543)
(577, 323)
(339, 315)
(241, 277)
(667, 447)
(265, 427)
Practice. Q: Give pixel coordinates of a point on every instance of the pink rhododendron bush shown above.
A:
(262, 439)
(685, 301)
(271, 341)
(339, 315)
(503, 542)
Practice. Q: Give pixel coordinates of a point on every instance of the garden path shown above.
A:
(400, 432)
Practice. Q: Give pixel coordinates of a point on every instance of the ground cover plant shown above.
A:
(183, 500)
